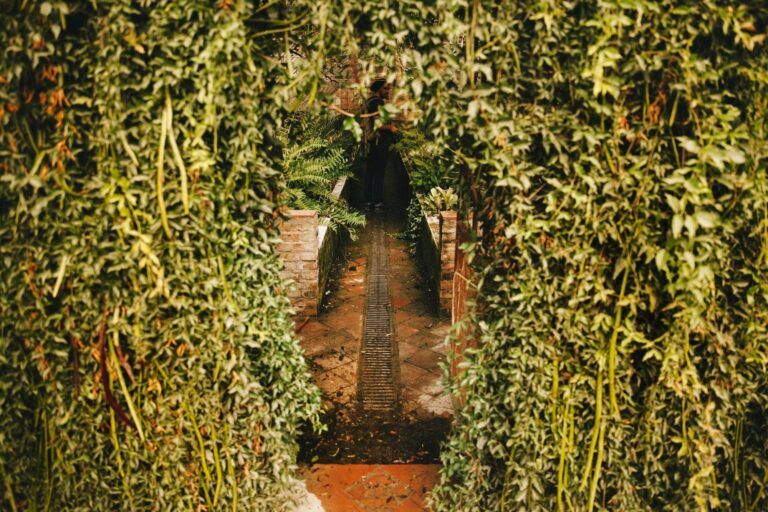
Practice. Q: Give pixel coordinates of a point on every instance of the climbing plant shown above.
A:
(613, 155)
(147, 355)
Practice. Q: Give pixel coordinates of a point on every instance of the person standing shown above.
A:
(378, 147)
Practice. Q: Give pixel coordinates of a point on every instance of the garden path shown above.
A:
(332, 341)
(376, 461)
(372, 488)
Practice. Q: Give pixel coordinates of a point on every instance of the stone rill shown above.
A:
(378, 360)
(376, 350)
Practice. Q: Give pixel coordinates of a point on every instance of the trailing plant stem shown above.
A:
(563, 452)
(612, 345)
(123, 387)
(201, 453)
(598, 465)
(8, 487)
(176, 153)
(595, 430)
(160, 174)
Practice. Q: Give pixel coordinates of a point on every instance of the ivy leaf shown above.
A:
(707, 220)
(677, 225)
(351, 125)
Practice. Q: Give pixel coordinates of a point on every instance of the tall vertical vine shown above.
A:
(620, 150)
(148, 356)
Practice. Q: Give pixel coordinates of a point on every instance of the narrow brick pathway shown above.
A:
(332, 343)
(372, 488)
(369, 460)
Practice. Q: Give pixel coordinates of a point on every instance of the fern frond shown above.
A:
(316, 153)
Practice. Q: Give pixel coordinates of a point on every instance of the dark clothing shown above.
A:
(373, 104)
(378, 152)
(377, 165)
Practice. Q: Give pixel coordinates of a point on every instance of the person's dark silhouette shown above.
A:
(378, 147)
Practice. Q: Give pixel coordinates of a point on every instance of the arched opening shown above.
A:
(376, 347)
(608, 163)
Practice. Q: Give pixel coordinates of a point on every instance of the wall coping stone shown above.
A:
(296, 214)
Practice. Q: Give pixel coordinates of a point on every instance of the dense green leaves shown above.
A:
(147, 354)
(317, 152)
(611, 151)
(615, 155)
(425, 160)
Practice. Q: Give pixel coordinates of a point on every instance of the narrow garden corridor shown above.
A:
(375, 352)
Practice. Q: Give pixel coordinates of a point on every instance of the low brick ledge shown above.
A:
(438, 252)
(307, 247)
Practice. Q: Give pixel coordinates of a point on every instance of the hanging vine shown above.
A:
(148, 356)
(612, 153)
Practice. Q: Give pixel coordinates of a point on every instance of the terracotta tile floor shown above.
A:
(420, 334)
(372, 487)
(331, 341)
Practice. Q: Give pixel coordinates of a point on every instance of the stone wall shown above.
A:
(330, 242)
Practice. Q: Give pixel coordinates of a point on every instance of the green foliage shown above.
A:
(318, 150)
(425, 160)
(147, 355)
(414, 219)
(440, 200)
(613, 153)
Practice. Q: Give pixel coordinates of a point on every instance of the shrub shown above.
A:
(426, 163)
(440, 199)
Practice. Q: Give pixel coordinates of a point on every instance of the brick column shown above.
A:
(298, 248)
(447, 248)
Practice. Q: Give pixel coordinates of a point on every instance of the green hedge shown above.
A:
(619, 149)
(147, 355)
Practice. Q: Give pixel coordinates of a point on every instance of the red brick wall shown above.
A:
(347, 99)
(298, 247)
(447, 248)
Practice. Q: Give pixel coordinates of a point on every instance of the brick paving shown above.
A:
(372, 487)
(420, 335)
(383, 456)
(331, 340)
